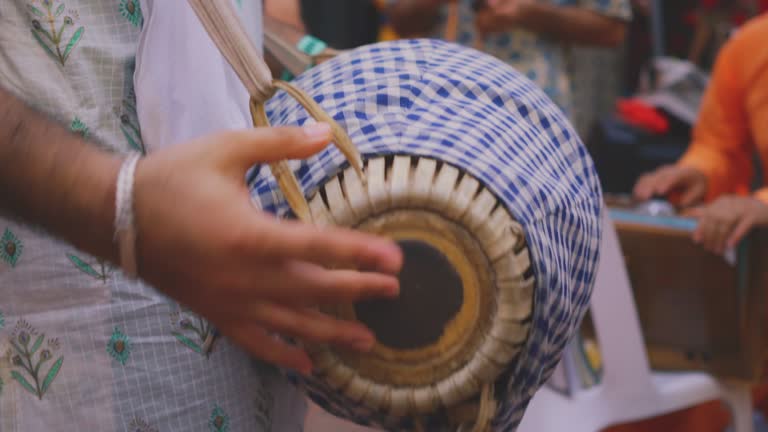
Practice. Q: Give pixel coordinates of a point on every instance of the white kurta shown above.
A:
(81, 348)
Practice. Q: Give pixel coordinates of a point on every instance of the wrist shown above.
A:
(96, 205)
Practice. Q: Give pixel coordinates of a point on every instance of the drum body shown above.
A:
(496, 203)
(722, 331)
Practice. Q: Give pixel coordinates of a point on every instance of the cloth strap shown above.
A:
(220, 20)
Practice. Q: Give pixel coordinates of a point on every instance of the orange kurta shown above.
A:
(733, 121)
(732, 128)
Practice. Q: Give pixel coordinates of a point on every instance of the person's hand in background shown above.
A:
(685, 186)
(723, 223)
(495, 16)
(570, 24)
(203, 243)
(413, 18)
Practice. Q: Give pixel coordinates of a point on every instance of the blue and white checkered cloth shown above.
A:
(435, 99)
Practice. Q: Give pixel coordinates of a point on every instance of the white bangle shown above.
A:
(125, 230)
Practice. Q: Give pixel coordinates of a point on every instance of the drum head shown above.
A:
(466, 286)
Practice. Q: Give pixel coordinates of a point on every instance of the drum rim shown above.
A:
(407, 182)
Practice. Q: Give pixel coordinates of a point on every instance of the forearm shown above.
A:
(51, 179)
(412, 18)
(573, 24)
(285, 11)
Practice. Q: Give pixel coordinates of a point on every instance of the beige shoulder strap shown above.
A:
(221, 22)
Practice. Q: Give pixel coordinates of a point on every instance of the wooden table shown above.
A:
(697, 310)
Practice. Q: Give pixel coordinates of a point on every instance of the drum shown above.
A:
(486, 187)
(698, 311)
(496, 206)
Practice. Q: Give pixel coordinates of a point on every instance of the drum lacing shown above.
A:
(285, 177)
(485, 413)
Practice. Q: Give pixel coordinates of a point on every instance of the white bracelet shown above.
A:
(125, 230)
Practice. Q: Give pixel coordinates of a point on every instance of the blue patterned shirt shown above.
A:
(543, 60)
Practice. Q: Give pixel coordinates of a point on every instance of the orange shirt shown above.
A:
(733, 121)
(732, 126)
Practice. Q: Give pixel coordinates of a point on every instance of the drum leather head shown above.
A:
(466, 289)
(431, 295)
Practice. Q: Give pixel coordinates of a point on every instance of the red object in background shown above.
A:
(642, 115)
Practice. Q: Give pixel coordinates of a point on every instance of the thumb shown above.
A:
(743, 227)
(243, 149)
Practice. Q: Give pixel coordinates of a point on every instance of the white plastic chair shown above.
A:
(629, 390)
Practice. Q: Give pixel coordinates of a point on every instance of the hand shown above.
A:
(726, 221)
(501, 15)
(414, 18)
(689, 182)
(203, 243)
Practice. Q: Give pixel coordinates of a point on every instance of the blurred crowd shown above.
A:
(702, 149)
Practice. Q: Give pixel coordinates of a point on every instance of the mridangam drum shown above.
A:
(493, 199)
(491, 196)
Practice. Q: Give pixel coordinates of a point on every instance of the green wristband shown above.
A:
(311, 45)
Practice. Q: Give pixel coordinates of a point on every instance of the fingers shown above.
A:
(721, 230)
(742, 228)
(716, 224)
(655, 183)
(707, 234)
(694, 194)
(243, 149)
(304, 284)
(643, 190)
(333, 247)
(311, 326)
(266, 347)
(667, 179)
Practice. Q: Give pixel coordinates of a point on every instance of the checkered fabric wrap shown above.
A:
(435, 99)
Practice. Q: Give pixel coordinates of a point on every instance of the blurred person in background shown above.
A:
(713, 180)
(534, 36)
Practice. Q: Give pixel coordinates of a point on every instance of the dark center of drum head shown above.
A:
(431, 295)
